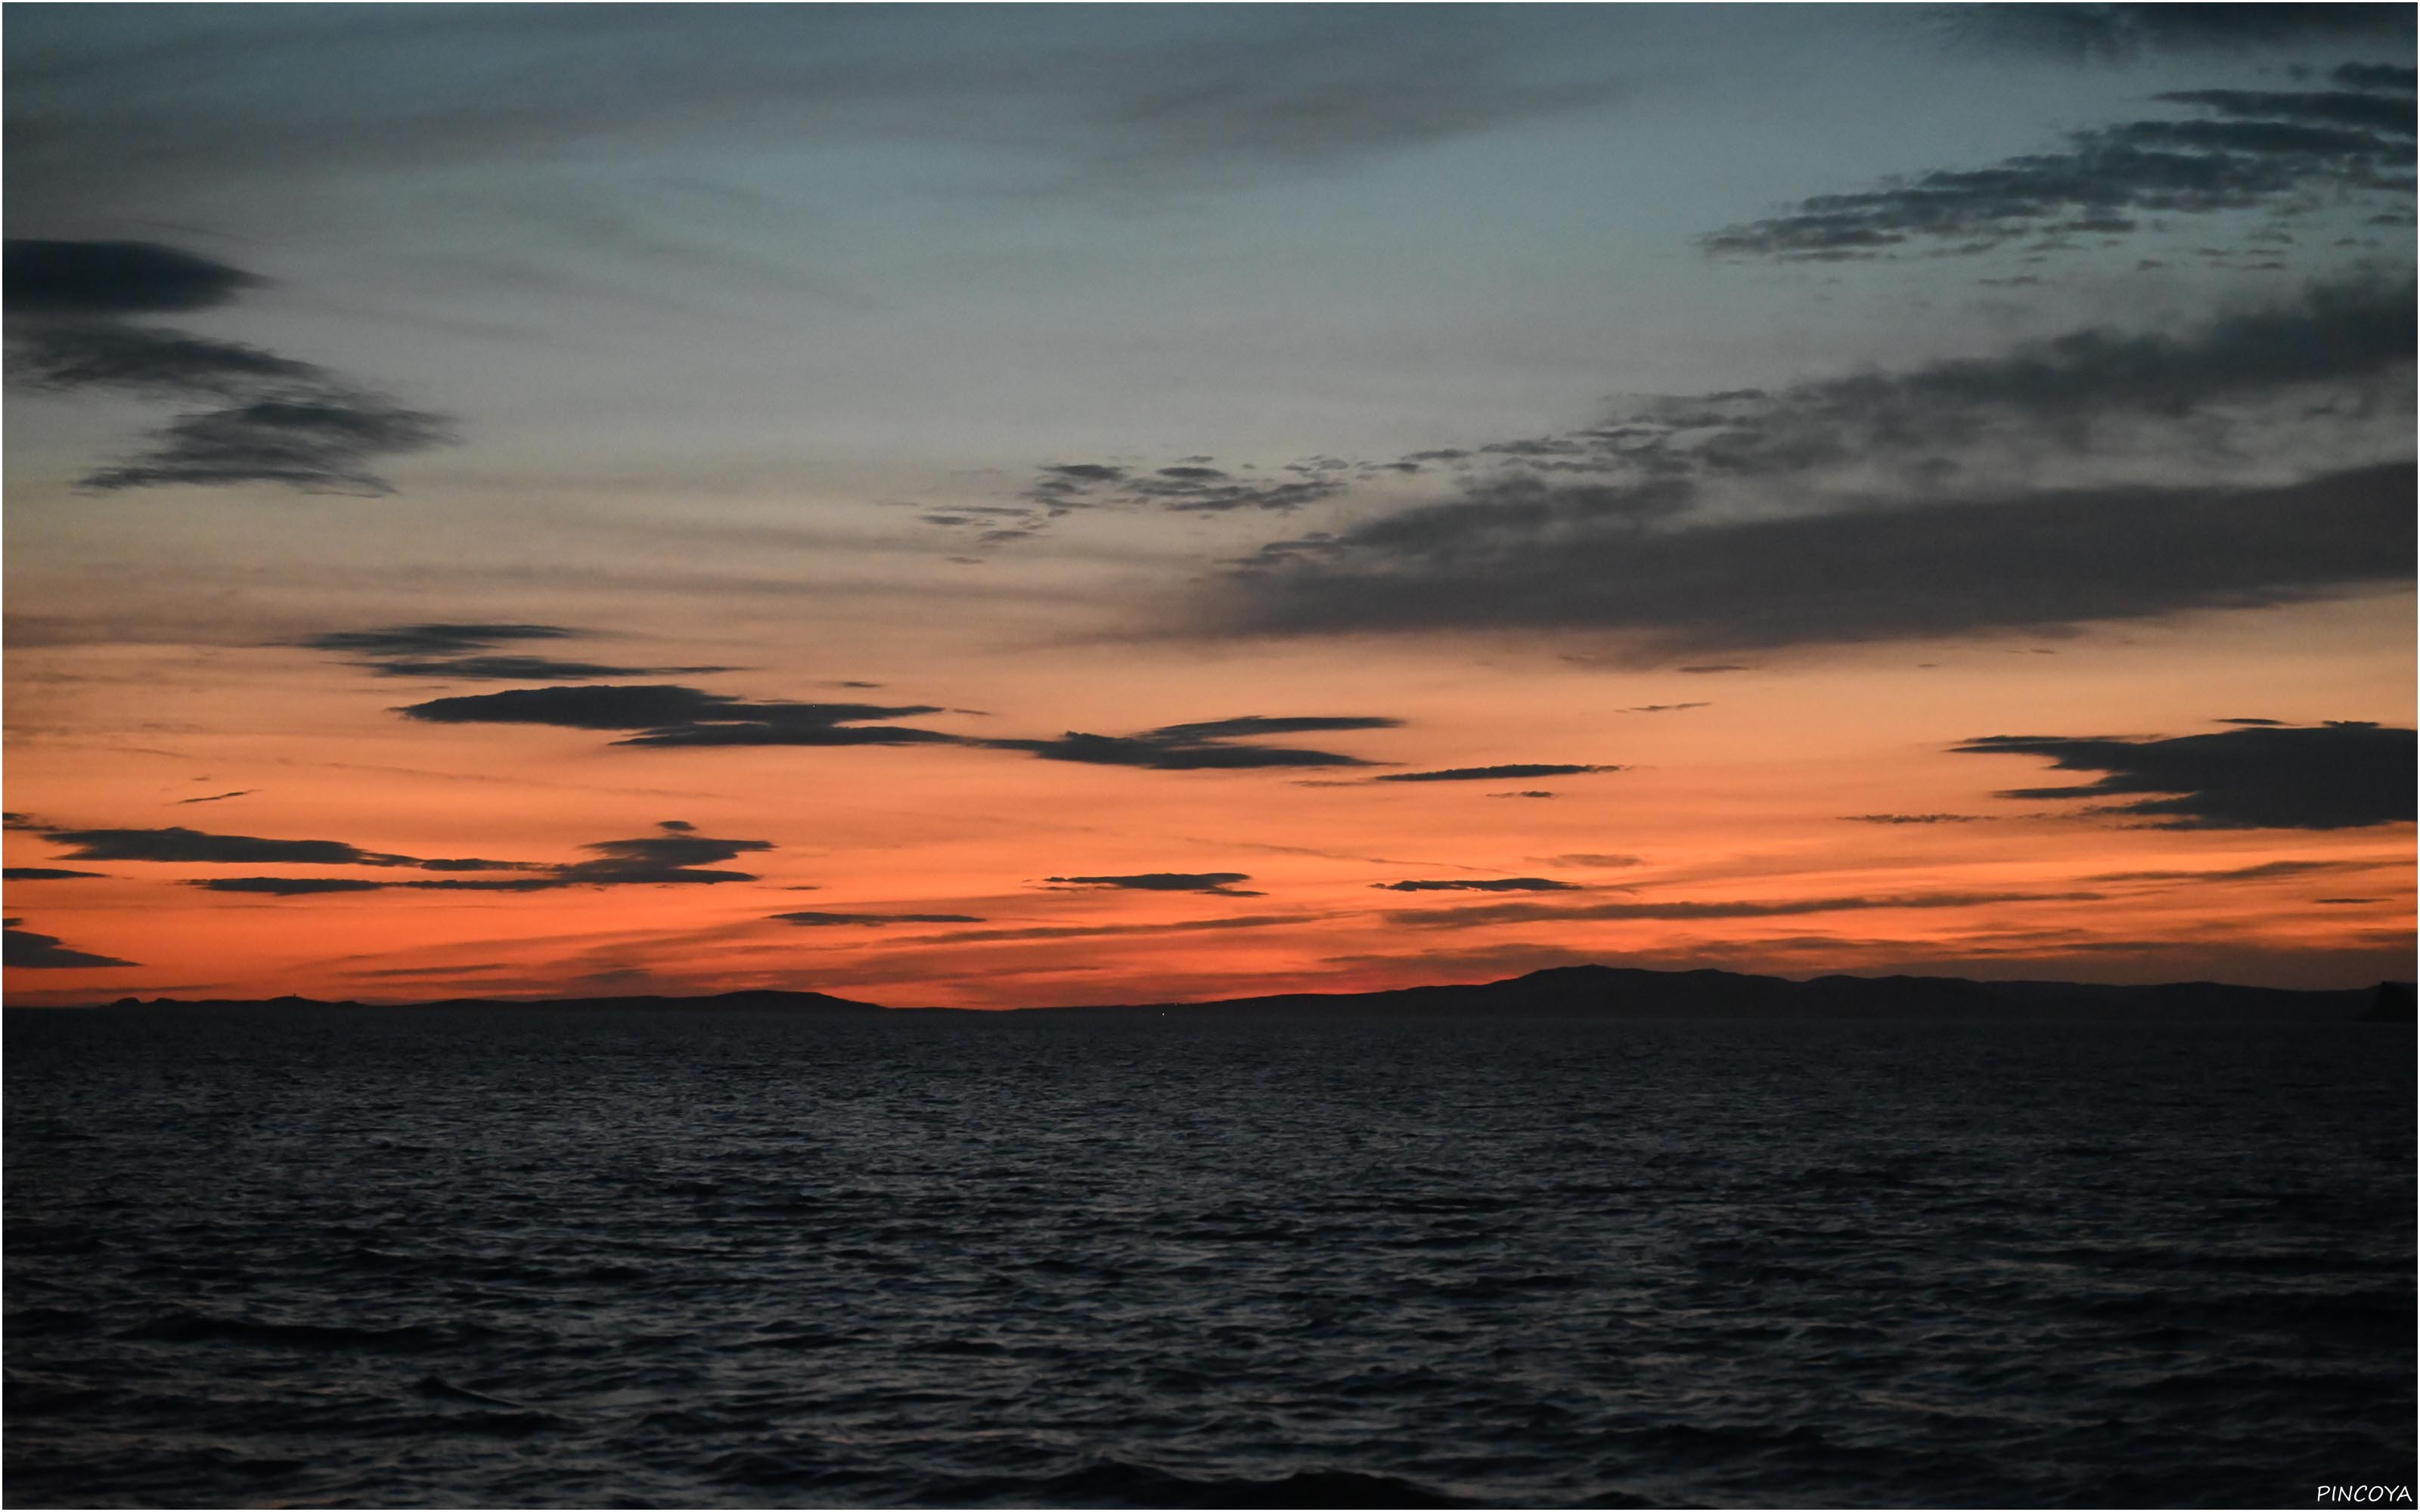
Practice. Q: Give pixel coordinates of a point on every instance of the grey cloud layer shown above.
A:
(2047, 560)
(1185, 102)
(2324, 777)
(273, 419)
(1880, 504)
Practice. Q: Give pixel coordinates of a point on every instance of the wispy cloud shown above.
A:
(1493, 774)
(271, 419)
(2266, 149)
(467, 653)
(1214, 745)
(666, 714)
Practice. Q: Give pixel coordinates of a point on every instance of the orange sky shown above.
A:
(1748, 799)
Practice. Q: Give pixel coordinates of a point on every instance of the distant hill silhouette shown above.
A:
(761, 999)
(1566, 991)
(1610, 990)
(2391, 1004)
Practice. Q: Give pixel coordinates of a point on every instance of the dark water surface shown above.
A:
(429, 1257)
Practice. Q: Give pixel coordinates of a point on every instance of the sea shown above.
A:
(683, 1257)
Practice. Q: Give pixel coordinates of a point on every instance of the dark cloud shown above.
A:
(1709, 668)
(467, 652)
(217, 797)
(304, 886)
(2354, 335)
(1589, 858)
(1221, 882)
(44, 873)
(876, 921)
(1207, 746)
(1492, 774)
(412, 641)
(1663, 708)
(317, 443)
(177, 843)
(270, 419)
(447, 651)
(667, 714)
(114, 278)
(2123, 32)
(2105, 177)
(23, 948)
(1489, 914)
(1084, 474)
(1480, 884)
(2041, 561)
(285, 887)
(2338, 775)
(148, 361)
(676, 854)
(2334, 107)
(671, 714)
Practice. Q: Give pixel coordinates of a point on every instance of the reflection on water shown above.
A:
(688, 1257)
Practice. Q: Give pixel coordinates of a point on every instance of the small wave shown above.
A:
(1115, 1483)
(444, 1390)
(182, 1327)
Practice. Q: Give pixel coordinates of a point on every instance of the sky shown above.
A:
(991, 506)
